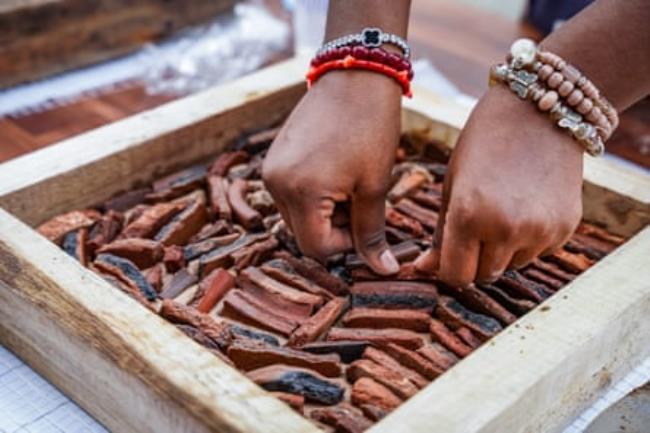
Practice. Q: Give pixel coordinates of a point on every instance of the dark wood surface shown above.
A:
(460, 40)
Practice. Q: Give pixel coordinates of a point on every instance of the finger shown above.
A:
(315, 234)
(368, 219)
(458, 254)
(524, 256)
(494, 260)
(284, 212)
(429, 261)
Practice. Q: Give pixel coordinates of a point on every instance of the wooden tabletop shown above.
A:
(461, 41)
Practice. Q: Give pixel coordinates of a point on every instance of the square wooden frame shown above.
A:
(135, 372)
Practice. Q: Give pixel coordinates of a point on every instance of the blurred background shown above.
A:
(71, 65)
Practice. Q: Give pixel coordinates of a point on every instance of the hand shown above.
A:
(512, 192)
(338, 147)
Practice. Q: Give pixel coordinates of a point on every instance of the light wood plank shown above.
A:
(539, 373)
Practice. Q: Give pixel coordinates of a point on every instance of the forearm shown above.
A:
(345, 16)
(609, 42)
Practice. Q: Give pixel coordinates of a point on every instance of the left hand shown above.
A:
(512, 192)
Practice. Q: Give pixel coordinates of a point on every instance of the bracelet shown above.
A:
(570, 83)
(362, 53)
(370, 37)
(350, 62)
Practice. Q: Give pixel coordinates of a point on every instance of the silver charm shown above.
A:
(520, 82)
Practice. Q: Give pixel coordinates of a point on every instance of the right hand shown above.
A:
(338, 146)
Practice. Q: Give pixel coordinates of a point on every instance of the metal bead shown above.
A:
(523, 51)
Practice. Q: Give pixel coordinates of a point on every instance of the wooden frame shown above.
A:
(39, 38)
(135, 372)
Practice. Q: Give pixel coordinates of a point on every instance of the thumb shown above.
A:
(368, 232)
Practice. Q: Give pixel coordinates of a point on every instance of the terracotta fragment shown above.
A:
(410, 180)
(143, 252)
(600, 234)
(127, 272)
(254, 254)
(468, 337)
(60, 225)
(382, 358)
(380, 318)
(518, 285)
(239, 331)
(222, 257)
(254, 280)
(344, 418)
(428, 198)
(211, 230)
(443, 335)
(74, 243)
(295, 401)
(152, 219)
(454, 315)
(246, 215)
(366, 391)
(542, 278)
(394, 294)
(402, 337)
(575, 246)
(348, 351)
(398, 384)
(426, 217)
(154, 276)
(314, 271)
(105, 230)
(174, 258)
(374, 413)
(129, 290)
(571, 262)
(403, 222)
(197, 335)
(218, 193)
(180, 282)
(482, 303)
(282, 271)
(225, 160)
(245, 308)
(181, 314)
(177, 184)
(319, 323)
(184, 225)
(553, 270)
(311, 385)
(515, 305)
(197, 249)
(413, 360)
(262, 201)
(214, 286)
(437, 354)
(251, 355)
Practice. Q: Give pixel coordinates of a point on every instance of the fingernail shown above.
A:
(389, 262)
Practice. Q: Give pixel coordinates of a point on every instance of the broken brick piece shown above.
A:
(179, 282)
(482, 303)
(400, 385)
(295, 401)
(178, 313)
(381, 318)
(74, 243)
(553, 270)
(394, 294)
(344, 418)
(127, 272)
(366, 391)
(144, 253)
(375, 413)
(446, 337)
(314, 271)
(468, 337)
(382, 358)
(426, 217)
(222, 257)
(427, 198)
(347, 350)
(515, 283)
(571, 262)
(254, 280)
(281, 270)
(243, 307)
(398, 220)
(152, 219)
(246, 215)
(250, 355)
(155, 276)
(437, 354)
(413, 360)
(294, 380)
(401, 337)
(600, 234)
(60, 225)
(197, 335)
(543, 278)
(515, 305)
(218, 194)
(185, 224)
(254, 254)
(239, 331)
(197, 249)
(214, 287)
(104, 230)
(177, 184)
(453, 314)
(226, 160)
(174, 258)
(319, 323)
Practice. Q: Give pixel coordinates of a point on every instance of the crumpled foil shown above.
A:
(221, 51)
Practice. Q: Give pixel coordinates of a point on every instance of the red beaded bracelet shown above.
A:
(350, 62)
(362, 53)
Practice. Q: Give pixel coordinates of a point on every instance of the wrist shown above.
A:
(350, 86)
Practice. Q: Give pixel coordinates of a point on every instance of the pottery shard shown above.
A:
(244, 307)
(377, 318)
(382, 358)
(319, 323)
(60, 225)
(453, 314)
(401, 337)
(446, 337)
(393, 380)
(144, 253)
(414, 360)
(344, 418)
(314, 271)
(152, 219)
(367, 391)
